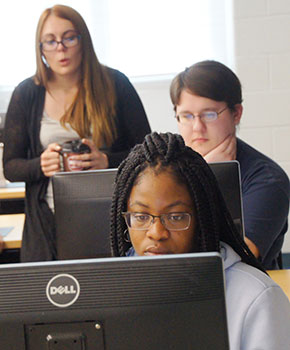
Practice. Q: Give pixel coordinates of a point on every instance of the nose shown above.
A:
(157, 231)
(198, 124)
(60, 46)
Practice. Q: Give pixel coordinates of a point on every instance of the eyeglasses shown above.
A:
(67, 42)
(206, 117)
(171, 221)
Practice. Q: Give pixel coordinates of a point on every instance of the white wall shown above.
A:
(157, 103)
(262, 45)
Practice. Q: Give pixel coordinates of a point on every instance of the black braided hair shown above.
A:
(167, 152)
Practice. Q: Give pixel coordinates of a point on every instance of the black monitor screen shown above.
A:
(167, 302)
(82, 208)
(229, 181)
(82, 203)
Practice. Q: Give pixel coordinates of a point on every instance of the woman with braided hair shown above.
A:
(167, 201)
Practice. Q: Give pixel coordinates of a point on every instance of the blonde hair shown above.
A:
(92, 113)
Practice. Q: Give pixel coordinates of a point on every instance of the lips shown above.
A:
(156, 251)
(200, 139)
(64, 61)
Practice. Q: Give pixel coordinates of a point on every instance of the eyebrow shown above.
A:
(64, 33)
(174, 204)
(203, 110)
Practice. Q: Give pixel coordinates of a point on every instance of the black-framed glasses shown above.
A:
(171, 221)
(68, 41)
(205, 116)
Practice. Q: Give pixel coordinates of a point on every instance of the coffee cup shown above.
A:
(72, 148)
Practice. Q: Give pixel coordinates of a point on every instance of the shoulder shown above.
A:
(255, 164)
(241, 276)
(27, 84)
(123, 86)
(258, 311)
(244, 282)
(27, 88)
(116, 75)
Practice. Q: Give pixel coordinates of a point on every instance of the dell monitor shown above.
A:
(145, 303)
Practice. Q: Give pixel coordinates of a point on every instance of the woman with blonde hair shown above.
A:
(71, 96)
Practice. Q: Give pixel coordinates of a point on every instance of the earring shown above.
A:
(127, 236)
(44, 61)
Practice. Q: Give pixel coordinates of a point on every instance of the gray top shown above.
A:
(51, 131)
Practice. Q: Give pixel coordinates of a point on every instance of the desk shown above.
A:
(12, 191)
(282, 278)
(14, 237)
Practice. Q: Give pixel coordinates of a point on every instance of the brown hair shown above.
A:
(93, 110)
(208, 79)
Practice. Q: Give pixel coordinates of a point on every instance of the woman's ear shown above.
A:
(237, 114)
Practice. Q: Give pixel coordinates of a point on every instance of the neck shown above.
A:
(65, 83)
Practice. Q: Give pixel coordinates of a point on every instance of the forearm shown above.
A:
(253, 248)
(23, 170)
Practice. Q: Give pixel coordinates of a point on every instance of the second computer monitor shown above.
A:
(82, 208)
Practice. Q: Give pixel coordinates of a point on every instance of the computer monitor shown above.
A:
(166, 302)
(82, 208)
(82, 202)
(229, 180)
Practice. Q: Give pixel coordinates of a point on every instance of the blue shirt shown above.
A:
(265, 193)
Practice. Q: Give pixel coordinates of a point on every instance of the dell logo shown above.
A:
(63, 290)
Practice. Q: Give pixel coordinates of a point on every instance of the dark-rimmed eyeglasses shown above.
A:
(206, 116)
(171, 221)
(67, 42)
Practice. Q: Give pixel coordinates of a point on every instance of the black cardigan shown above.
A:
(22, 150)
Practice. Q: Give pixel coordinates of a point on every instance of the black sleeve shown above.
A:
(18, 162)
(131, 120)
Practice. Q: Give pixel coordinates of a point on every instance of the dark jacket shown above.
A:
(22, 150)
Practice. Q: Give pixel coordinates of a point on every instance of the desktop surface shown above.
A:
(282, 278)
(12, 226)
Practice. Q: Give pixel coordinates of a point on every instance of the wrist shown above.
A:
(105, 160)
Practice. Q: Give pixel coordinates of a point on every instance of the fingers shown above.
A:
(91, 144)
(224, 151)
(93, 160)
(53, 147)
(50, 160)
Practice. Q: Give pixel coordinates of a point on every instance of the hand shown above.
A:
(225, 151)
(50, 160)
(252, 246)
(93, 160)
(1, 243)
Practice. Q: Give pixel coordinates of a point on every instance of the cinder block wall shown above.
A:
(262, 52)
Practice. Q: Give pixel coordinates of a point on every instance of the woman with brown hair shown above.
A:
(71, 96)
